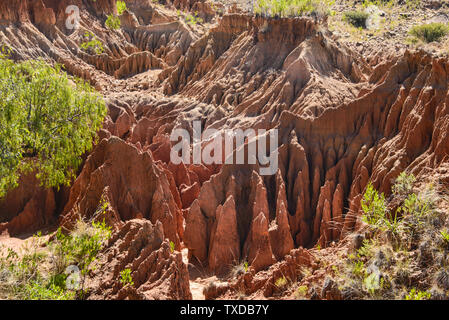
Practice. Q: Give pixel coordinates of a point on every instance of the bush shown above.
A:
(418, 295)
(126, 278)
(281, 282)
(373, 206)
(121, 7)
(404, 184)
(193, 19)
(286, 8)
(430, 32)
(356, 18)
(91, 44)
(47, 122)
(113, 22)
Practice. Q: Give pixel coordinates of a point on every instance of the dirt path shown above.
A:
(198, 279)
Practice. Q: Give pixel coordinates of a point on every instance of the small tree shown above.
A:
(47, 122)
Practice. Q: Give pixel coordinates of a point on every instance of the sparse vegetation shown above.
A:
(56, 271)
(91, 44)
(239, 269)
(356, 18)
(193, 19)
(403, 184)
(121, 7)
(384, 267)
(281, 283)
(445, 236)
(291, 8)
(430, 32)
(113, 22)
(301, 292)
(418, 295)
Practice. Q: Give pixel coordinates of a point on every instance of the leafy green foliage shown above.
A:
(445, 236)
(289, 8)
(113, 22)
(82, 246)
(372, 283)
(418, 295)
(281, 283)
(430, 32)
(358, 269)
(403, 184)
(193, 19)
(126, 278)
(301, 291)
(36, 291)
(366, 248)
(91, 44)
(172, 246)
(356, 18)
(121, 7)
(47, 122)
(416, 206)
(373, 206)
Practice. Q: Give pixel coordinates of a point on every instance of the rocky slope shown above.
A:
(343, 119)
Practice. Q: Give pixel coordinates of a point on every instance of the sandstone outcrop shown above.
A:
(28, 208)
(157, 272)
(133, 184)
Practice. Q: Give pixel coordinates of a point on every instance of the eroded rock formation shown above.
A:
(343, 120)
(157, 272)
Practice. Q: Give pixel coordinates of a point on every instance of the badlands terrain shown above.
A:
(358, 207)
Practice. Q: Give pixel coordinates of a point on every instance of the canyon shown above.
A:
(345, 117)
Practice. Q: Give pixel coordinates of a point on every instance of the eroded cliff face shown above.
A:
(157, 272)
(343, 120)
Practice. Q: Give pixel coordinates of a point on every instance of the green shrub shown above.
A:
(193, 19)
(375, 212)
(281, 283)
(121, 7)
(37, 291)
(47, 122)
(91, 44)
(126, 278)
(403, 184)
(418, 295)
(373, 206)
(444, 236)
(356, 18)
(430, 32)
(302, 291)
(113, 22)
